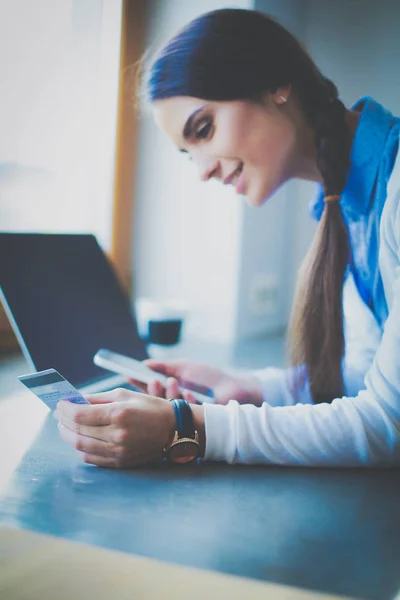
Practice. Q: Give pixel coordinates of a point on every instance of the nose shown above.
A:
(209, 169)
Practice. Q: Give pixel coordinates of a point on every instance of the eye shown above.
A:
(204, 129)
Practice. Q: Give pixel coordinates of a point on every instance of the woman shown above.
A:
(240, 95)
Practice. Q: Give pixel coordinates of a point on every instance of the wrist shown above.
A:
(184, 447)
(170, 424)
(199, 425)
(254, 390)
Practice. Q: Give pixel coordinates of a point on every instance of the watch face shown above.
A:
(183, 452)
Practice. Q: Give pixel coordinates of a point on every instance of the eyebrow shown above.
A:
(187, 130)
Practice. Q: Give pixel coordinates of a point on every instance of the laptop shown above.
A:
(64, 302)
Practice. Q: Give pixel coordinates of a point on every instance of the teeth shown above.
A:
(237, 175)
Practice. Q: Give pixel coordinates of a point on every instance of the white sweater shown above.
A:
(362, 428)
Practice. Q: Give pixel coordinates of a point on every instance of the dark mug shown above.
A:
(165, 332)
(160, 322)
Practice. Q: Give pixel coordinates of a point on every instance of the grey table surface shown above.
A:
(336, 531)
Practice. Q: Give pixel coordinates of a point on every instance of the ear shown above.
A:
(282, 94)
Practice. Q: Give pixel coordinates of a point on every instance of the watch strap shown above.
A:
(184, 418)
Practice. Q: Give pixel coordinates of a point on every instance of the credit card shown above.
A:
(51, 387)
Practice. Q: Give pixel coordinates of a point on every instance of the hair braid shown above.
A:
(317, 324)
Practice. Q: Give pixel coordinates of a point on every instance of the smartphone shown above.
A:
(51, 387)
(135, 369)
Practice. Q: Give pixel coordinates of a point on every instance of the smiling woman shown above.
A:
(274, 116)
(240, 95)
(231, 139)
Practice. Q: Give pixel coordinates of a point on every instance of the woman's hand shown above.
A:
(120, 429)
(244, 389)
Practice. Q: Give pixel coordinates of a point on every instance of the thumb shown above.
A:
(138, 384)
(171, 368)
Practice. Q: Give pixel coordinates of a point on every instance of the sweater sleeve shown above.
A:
(362, 338)
(363, 429)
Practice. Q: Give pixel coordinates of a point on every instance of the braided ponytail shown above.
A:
(316, 329)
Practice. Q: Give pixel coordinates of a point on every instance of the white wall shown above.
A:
(357, 44)
(59, 71)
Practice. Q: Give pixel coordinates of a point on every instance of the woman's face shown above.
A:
(248, 145)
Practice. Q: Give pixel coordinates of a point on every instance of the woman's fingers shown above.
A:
(100, 433)
(85, 414)
(156, 388)
(138, 384)
(172, 388)
(85, 444)
(188, 396)
(171, 368)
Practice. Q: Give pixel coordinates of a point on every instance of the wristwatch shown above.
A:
(185, 445)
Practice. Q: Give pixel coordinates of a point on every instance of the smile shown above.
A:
(236, 178)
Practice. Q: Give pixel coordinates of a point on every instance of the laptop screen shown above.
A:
(66, 303)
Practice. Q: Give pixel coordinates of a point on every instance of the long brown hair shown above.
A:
(236, 54)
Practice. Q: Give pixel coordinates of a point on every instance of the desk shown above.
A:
(38, 567)
(335, 531)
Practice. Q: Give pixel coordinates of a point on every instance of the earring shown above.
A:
(282, 99)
